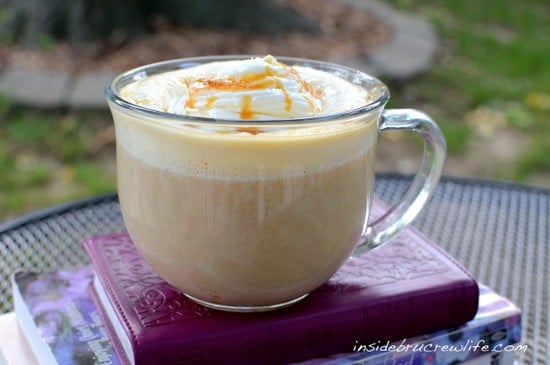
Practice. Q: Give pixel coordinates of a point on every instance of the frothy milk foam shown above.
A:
(245, 215)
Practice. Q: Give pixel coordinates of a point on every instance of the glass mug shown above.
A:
(251, 215)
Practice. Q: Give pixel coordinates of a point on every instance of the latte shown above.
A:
(242, 212)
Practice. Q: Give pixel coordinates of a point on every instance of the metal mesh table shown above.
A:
(499, 231)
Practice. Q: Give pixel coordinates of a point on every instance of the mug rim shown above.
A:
(140, 72)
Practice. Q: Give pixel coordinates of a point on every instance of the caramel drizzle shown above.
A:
(210, 102)
(246, 107)
(249, 82)
(249, 130)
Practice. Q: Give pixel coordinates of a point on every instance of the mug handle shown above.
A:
(424, 183)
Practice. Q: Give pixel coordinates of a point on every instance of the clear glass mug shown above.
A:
(253, 215)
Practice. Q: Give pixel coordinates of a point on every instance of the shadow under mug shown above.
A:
(253, 215)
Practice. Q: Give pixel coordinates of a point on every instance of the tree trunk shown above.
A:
(27, 22)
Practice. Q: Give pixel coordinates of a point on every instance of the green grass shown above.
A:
(494, 54)
(494, 57)
(48, 157)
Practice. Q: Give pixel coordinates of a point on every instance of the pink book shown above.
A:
(408, 287)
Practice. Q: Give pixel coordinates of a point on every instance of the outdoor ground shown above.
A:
(488, 88)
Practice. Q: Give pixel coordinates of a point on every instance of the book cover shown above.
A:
(408, 287)
(58, 317)
(496, 326)
(498, 322)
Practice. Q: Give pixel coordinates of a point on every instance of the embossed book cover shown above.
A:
(406, 288)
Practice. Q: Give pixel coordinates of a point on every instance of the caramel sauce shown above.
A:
(251, 81)
(246, 110)
(190, 103)
(250, 130)
(210, 102)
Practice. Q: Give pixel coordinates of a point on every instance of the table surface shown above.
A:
(499, 231)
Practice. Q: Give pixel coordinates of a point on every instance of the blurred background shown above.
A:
(486, 83)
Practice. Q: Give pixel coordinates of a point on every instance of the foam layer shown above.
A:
(245, 150)
(278, 154)
(253, 89)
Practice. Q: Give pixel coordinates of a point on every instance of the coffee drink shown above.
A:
(244, 217)
(246, 183)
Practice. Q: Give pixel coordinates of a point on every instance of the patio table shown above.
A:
(499, 231)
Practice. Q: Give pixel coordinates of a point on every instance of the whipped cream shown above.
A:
(251, 89)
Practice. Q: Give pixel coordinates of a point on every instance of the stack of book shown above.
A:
(407, 302)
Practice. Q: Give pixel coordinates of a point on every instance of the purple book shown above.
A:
(406, 288)
(59, 320)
